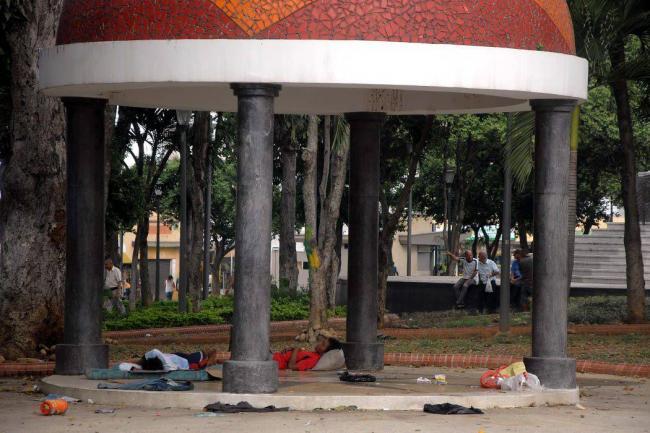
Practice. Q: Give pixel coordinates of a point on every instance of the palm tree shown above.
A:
(520, 158)
(604, 31)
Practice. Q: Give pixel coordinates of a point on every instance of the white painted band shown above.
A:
(317, 76)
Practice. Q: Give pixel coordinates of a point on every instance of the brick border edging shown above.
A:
(339, 323)
(12, 369)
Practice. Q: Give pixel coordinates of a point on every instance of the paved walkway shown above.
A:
(611, 407)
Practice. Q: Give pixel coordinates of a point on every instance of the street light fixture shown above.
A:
(450, 174)
(409, 227)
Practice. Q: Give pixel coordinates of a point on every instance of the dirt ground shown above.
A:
(610, 405)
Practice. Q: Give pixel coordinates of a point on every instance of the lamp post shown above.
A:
(158, 193)
(409, 241)
(183, 118)
(207, 228)
(504, 297)
(450, 173)
(409, 233)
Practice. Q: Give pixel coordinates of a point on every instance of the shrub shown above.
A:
(214, 311)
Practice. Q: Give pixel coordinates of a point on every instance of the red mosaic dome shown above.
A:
(523, 24)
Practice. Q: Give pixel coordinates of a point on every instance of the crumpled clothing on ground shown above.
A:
(242, 406)
(160, 384)
(347, 377)
(451, 409)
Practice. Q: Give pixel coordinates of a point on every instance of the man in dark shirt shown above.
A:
(526, 282)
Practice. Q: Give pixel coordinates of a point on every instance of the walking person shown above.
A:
(469, 279)
(487, 285)
(515, 281)
(113, 287)
(170, 287)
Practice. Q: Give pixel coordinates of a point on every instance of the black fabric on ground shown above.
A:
(347, 377)
(451, 409)
(242, 406)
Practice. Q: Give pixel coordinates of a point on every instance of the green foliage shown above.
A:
(224, 181)
(214, 311)
(474, 146)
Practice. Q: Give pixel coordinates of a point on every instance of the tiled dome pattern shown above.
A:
(524, 24)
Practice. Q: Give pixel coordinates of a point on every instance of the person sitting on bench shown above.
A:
(301, 359)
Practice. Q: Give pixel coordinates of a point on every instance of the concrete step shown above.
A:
(608, 247)
(593, 280)
(599, 258)
(620, 227)
(600, 273)
(591, 262)
(609, 234)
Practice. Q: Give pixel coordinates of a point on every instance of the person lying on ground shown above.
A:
(301, 359)
(155, 360)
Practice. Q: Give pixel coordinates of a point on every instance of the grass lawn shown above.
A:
(633, 348)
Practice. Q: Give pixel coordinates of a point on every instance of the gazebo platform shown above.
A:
(396, 389)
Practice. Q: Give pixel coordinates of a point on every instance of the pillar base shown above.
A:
(74, 359)
(554, 373)
(250, 377)
(364, 356)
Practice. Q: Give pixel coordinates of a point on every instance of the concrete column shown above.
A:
(82, 346)
(549, 358)
(362, 351)
(251, 369)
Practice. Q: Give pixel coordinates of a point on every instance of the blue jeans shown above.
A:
(160, 384)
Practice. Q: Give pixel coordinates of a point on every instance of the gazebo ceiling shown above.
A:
(331, 56)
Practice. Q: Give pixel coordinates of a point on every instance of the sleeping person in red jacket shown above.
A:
(301, 359)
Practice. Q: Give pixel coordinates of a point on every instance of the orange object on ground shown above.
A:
(305, 360)
(54, 407)
(490, 378)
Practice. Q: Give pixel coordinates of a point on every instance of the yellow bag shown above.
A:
(513, 369)
(175, 296)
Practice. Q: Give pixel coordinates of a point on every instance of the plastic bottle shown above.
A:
(54, 407)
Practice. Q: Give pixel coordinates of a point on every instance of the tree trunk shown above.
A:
(523, 235)
(317, 285)
(288, 256)
(113, 247)
(389, 222)
(321, 244)
(493, 247)
(145, 285)
(573, 194)
(385, 243)
(197, 185)
(133, 294)
(219, 253)
(332, 287)
(632, 233)
(475, 242)
(32, 209)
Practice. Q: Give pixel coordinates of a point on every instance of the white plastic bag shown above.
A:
(520, 382)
